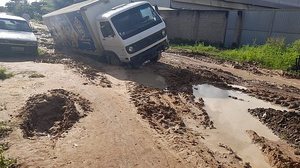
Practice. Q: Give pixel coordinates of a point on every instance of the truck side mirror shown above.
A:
(156, 8)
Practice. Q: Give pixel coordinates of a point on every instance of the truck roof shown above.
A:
(121, 9)
(6, 16)
(71, 8)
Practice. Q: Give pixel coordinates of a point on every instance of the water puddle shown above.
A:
(229, 111)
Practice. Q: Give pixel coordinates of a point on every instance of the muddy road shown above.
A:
(70, 110)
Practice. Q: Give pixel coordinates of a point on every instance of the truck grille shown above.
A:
(137, 46)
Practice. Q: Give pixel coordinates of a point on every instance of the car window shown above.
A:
(16, 25)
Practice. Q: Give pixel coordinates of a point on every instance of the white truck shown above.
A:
(121, 31)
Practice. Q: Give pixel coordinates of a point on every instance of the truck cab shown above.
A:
(132, 33)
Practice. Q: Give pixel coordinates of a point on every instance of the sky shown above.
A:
(3, 2)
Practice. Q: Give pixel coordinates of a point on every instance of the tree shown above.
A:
(2, 9)
(18, 7)
(57, 4)
(36, 9)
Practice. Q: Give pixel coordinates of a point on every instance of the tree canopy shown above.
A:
(36, 9)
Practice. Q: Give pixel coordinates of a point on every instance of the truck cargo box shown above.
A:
(74, 27)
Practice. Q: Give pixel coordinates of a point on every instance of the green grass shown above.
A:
(4, 74)
(4, 161)
(4, 129)
(36, 75)
(41, 52)
(275, 54)
(7, 162)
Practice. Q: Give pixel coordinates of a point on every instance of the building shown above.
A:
(231, 23)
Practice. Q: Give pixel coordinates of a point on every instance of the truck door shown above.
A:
(108, 37)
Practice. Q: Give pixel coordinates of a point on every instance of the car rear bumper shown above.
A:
(17, 49)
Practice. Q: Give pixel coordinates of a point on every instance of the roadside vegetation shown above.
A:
(4, 74)
(36, 75)
(4, 161)
(275, 54)
(35, 9)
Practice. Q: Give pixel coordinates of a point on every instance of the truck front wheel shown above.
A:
(156, 57)
(112, 59)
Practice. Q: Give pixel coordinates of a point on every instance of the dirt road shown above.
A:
(68, 110)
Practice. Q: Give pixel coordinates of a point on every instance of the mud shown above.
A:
(283, 95)
(52, 113)
(170, 114)
(182, 124)
(278, 154)
(180, 79)
(166, 110)
(285, 124)
(83, 66)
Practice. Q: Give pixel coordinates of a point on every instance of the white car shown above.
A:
(16, 36)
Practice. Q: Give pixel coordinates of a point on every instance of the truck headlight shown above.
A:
(130, 49)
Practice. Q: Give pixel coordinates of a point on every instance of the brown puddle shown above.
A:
(229, 111)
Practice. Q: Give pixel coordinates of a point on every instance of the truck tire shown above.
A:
(156, 58)
(112, 59)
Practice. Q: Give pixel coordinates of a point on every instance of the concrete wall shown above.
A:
(257, 26)
(207, 26)
(270, 3)
(232, 28)
(235, 4)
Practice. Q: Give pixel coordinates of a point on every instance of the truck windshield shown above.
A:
(135, 20)
(15, 25)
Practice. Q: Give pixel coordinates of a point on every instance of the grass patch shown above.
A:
(36, 75)
(7, 162)
(4, 74)
(42, 52)
(5, 130)
(275, 54)
(4, 161)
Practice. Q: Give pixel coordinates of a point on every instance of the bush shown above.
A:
(4, 74)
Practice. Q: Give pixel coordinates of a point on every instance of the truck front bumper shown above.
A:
(149, 54)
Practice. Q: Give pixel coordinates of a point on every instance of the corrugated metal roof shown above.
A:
(71, 8)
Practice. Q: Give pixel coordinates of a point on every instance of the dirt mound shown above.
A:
(285, 124)
(52, 113)
(279, 154)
